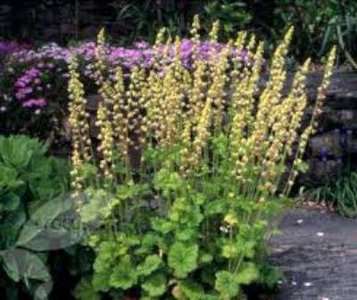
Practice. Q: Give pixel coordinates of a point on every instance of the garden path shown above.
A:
(317, 251)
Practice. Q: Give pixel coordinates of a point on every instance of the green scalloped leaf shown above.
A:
(183, 258)
(151, 264)
(155, 286)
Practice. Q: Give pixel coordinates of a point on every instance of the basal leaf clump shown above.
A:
(191, 167)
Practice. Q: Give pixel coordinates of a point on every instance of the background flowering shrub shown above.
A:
(33, 82)
(29, 81)
(9, 47)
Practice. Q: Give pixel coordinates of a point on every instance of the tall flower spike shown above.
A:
(159, 48)
(197, 92)
(134, 96)
(216, 92)
(160, 37)
(268, 107)
(195, 33)
(240, 41)
(196, 26)
(311, 128)
(326, 81)
(191, 154)
(78, 120)
(284, 129)
(238, 59)
(100, 57)
(252, 43)
(297, 108)
(106, 142)
(120, 113)
(213, 35)
(243, 101)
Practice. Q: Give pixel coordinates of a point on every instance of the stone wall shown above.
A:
(333, 149)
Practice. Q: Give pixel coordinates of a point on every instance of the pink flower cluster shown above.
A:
(139, 55)
(28, 86)
(47, 66)
(39, 102)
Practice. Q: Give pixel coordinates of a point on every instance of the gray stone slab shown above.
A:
(317, 251)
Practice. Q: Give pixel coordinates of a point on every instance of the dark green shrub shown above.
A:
(30, 186)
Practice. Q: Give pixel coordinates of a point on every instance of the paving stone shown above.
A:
(317, 251)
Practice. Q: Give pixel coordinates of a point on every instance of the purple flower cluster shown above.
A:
(38, 103)
(31, 75)
(34, 82)
(28, 86)
(9, 47)
(46, 67)
(144, 56)
(48, 53)
(139, 55)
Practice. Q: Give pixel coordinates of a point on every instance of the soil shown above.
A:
(317, 252)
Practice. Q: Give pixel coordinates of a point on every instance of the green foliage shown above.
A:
(165, 258)
(329, 21)
(316, 21)
(342, 193)
(98, 206)
(248, 274)
(27, 179)
(226, 284)
(124, 275)
(20, 152)
(145, 18)
(194, 291)
(155, 286)
(233, 15)
(151, 264)
(85, 291)
(269, 275)
(183, 259)
(31, 186)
